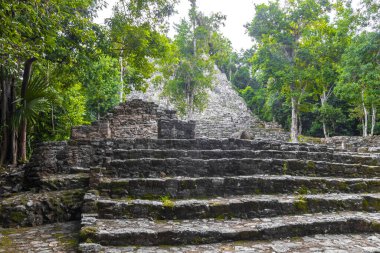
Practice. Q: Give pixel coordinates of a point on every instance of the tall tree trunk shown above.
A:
(299, 124)
(52, 119)
(195, 44)
(190, 114)
(365, 120)
(4, 119)
(294, 125)
(13, 130)
(323, 102)
(98, 112)
(189, 101)
(373, 121)
(121, 78)
(194, 24)
(23, 126)
(230, 69)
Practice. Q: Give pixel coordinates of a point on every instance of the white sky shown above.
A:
(238, 12)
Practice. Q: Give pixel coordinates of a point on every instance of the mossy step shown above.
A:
(203, 187)
(145, 232)
(65, 182)
(251, 206)
(203, 144)
(33, 209)
(151, 167)
(122, 154)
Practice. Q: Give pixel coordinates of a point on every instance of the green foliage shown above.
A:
(282, 57)
(327, 65)
(38, 99)
(79, 59)
(301, 204)
(101, 85)
(166, 202)
(188, 74)
(359, 77)
(300, 54)
(135, 36)
(360, 70)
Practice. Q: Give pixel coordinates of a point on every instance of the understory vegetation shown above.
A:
(313, 65)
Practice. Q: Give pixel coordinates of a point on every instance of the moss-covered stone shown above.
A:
(303, 190)
(166, 202)
(5, 241)
(301, 204)
(18, 217)
(342, 186)
(87, 233)
(375, 226)
(285, 168)
(310, 165)
(371, 204)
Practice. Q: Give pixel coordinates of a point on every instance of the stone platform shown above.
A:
(192, 195)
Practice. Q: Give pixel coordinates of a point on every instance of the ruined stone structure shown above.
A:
(136, 119)
(139, 193)
(370, 144)
(226, 113)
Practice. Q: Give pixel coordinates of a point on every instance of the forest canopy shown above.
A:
(314, 65)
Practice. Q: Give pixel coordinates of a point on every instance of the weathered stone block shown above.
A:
(176, 129)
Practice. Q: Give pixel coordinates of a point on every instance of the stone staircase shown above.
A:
(205, 191)
(167, 188)
(51, 192)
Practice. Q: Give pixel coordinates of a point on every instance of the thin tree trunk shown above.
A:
(190, 117)
(13, 130)
(194, 24)
(121, 78)
(189, 102)
(373, 121)
(230, 69)
(23, 127)
(52, 106)
(22, 143)
(4, 118)
(52, 119)
(365, 123)
(194, 39)
(98, 113)
(299, 125)
(294, 125)
(323, 102)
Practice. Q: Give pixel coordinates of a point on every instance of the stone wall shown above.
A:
(370, 144)
(176, 129)
(133, 119)
(226, 113)
(11, 181)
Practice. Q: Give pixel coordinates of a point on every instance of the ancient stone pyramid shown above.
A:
(226, 113)
(166, 187)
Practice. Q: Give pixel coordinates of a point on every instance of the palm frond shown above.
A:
(38, 99)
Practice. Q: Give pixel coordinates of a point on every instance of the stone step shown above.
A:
(78, 170)
(201, 144)
(32, 209)
(333, 243)
(151, 167)
(249, 206)
(203, 187)
(122, 154)
(145, 232)
(65, 182)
